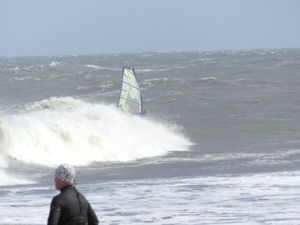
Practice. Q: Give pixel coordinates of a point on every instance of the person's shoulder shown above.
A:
(56, 201)
(82, 196)
(57, 197)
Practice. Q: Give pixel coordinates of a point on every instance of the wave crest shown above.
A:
(66, 130)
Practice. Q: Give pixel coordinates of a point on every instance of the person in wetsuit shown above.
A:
(70, 207)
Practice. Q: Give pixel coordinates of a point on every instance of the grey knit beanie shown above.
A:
(65, 173)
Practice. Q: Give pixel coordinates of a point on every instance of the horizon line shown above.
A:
(148, 52)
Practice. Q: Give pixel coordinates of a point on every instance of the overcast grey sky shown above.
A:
(64, 27)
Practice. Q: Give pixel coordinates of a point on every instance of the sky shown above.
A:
(68, 27)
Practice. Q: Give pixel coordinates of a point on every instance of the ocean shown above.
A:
(219, 144)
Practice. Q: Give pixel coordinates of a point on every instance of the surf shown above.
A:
(69, 130)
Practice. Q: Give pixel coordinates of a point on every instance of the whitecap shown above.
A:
(64, 129)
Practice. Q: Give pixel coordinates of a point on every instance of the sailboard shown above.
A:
(130, 99)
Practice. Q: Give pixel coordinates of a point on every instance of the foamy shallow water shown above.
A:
(249, 199)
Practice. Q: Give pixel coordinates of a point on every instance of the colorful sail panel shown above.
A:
(130, 98)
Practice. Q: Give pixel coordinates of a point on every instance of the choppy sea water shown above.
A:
(219, 143)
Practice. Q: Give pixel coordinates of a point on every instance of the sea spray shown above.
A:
(73, 131)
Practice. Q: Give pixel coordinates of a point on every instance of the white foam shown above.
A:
(152, 70)
(15, 69)
(163, 80)
(248, 199)
(208, 78)
(233, 199)
(59, 130)
(9, 179)
(21, 78)
(54, 64)
(96, 67)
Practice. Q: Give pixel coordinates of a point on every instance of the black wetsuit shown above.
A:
(71, 208)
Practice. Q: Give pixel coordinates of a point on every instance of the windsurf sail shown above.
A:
(130, 97)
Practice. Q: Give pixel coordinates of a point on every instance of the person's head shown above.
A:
(64, 176)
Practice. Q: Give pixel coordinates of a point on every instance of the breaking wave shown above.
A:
(66, 130)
